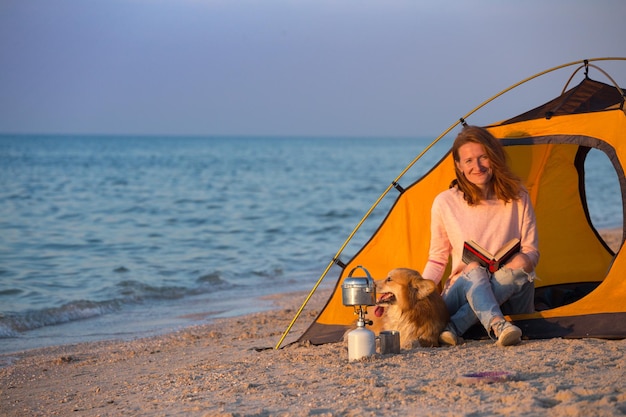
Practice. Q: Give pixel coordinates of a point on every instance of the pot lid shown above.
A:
(353, 282)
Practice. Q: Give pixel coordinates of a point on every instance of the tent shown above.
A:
(581, 291)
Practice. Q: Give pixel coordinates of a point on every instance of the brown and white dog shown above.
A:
(412, 305)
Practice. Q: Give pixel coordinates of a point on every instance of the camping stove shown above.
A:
(360, 292)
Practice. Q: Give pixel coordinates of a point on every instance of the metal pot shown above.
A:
(359, 291)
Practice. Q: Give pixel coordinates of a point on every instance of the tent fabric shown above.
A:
(588, 96)
(581, 291)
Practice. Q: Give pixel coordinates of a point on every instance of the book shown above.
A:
(472, 251)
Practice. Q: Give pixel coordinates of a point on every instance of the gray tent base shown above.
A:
(601, 326)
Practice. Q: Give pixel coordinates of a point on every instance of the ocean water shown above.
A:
(107, 237)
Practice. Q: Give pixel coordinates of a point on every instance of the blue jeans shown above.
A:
(477, 296)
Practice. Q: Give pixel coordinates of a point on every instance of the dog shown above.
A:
(412, 305)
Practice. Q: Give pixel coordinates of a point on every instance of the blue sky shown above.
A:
(270, 67)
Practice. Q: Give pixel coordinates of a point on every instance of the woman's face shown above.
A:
(474, 164)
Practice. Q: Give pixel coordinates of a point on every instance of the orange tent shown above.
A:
(582, 286)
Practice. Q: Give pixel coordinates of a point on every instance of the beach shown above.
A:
(229, 367)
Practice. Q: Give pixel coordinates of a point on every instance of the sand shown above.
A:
(229, 368)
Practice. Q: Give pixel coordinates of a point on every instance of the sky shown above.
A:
(392, 68)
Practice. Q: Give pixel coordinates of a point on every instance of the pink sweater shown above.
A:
(491, 224)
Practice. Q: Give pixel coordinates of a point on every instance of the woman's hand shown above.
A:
(521, 261)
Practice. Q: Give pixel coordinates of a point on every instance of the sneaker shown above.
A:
(506, 333)
(449, 337)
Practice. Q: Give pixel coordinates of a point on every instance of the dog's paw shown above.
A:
(429, 342)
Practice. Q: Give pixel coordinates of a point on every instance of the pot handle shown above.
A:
(369, 277)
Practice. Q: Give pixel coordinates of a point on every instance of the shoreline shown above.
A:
(229, 367)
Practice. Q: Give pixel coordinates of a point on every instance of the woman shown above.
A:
(486, 203)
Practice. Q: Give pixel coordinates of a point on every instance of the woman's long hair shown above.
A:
(505, 184)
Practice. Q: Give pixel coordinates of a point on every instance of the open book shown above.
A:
(473, 252)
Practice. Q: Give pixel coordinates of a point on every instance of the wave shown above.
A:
(213, 278)
(11, 325)
(128, 293)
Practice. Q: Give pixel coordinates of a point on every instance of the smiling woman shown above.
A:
(488, 204)
(475, 166)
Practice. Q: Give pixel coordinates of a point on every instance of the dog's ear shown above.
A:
(422, 287)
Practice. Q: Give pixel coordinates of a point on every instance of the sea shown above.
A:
(120, 237)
